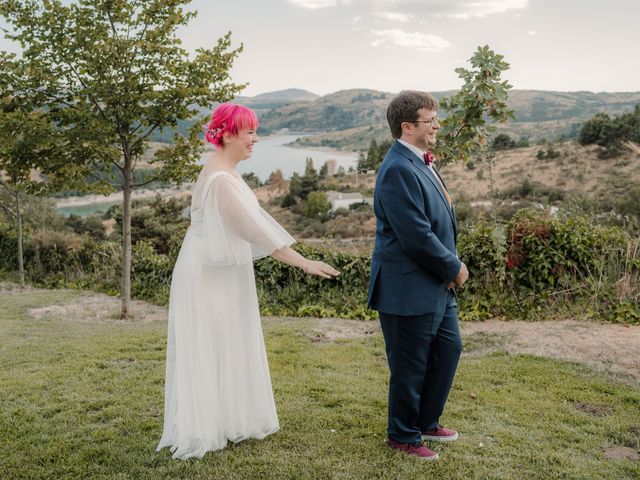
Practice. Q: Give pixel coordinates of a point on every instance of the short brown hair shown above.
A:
(404, 108)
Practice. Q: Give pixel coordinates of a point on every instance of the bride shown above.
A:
(217, 385)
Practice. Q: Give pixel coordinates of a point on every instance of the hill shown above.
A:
(337, 111)
(359, 115)
(268, 101)
(349, 119)
(261, 104)
(290, 94)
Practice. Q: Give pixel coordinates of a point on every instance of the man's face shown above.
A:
(422, 132)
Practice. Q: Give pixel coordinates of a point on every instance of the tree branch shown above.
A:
(144, 137)
(146, 183)
(117, 165)
(113, 27)
(8, 210)
(93, 100)
(64, 102)
(11, 192)
(104, 181)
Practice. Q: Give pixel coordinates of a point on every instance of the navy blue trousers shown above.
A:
(422, 353)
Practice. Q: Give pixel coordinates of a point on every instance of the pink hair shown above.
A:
(229, 117)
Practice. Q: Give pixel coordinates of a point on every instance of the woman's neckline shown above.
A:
(234, 175)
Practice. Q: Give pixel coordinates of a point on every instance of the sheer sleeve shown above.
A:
(237, 229)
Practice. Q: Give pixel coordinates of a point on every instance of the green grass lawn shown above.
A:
(82, 400)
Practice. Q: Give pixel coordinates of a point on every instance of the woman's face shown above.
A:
(242, 143)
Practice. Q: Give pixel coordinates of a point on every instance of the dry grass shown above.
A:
(576, 170)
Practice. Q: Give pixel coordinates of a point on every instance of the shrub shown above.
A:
(91, 226)
(503, 141)
(288, 201)
(535, 266)
(159, 223)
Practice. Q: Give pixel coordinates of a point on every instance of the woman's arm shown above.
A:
(291, 257)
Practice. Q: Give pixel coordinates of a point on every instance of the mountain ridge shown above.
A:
(540, 114)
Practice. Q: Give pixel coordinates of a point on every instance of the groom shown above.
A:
(414, 271)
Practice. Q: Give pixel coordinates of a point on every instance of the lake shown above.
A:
(87, 209)
(269, 154)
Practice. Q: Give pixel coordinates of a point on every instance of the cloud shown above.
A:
(419, 41)
(394, 16)
(461, 9)
(482, 9)
(314, 4)
(532, 32)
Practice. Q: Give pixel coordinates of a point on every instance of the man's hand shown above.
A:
(461, 278)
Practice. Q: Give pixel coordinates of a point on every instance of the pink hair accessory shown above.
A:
(215, 132)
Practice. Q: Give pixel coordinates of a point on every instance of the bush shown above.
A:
(159, 223)
(288, 201)
(91, 226)
(503, 141)
(536, 266)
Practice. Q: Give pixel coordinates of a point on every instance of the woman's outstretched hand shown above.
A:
(320, 269)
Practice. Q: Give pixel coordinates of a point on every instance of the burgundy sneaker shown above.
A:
(417, 450)
(440, 434)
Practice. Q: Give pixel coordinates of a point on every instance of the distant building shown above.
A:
(344, 200)
(332, 167)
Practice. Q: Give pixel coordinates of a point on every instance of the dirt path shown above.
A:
(608, 348)
(605, 347)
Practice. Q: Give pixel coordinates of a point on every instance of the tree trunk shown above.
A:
(126, 236)
(20, 253)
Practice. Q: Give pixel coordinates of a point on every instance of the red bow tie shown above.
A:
(428, 158)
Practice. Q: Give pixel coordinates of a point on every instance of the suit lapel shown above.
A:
(451, 210)
(429, 173)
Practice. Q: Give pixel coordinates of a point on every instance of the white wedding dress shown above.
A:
(217, 386)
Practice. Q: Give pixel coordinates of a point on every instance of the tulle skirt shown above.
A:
(217, 386)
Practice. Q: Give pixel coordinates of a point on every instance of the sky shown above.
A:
(328, 45)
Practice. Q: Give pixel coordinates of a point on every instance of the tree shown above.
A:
(295, 185)
(611, 133)
(374, 156)
(251, 179)
(111, 73)
(368, 162)
(318, 205)
(302, 186)
(323, 172)
(594, 130)
(481, 101)
(277, 182)
(30, 149)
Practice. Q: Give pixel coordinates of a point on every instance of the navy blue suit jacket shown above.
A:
(414, 258)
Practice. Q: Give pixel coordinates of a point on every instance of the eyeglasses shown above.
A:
(430, 122)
